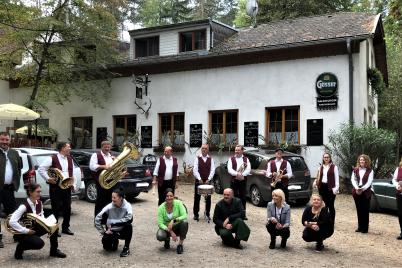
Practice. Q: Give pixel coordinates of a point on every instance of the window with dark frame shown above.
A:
(171, 126)
(223, 126)
(194, 40)
(124, 128)
(145, 47)
(81, 132)
(283, 125)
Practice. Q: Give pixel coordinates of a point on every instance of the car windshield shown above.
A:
(297, 163)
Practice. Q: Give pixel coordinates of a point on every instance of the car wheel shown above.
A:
(91, 193)
(255, 196)
(217, 185)
(131, 197)
(374, 207)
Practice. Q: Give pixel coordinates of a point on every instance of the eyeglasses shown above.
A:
(326, 157)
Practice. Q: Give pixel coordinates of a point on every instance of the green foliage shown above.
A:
(350, 141)
(376, 81)
(241, 18)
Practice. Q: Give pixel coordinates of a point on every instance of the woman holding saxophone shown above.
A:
(30, 238)
(280, 171)
(327, 182)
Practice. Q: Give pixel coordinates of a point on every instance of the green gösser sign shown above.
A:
(326, 85)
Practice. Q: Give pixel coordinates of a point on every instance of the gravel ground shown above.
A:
(203, 247)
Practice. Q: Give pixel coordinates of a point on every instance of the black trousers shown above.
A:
(103, 198)
(284, 232)
(179, 228)
(362, 208)
(399, 205)
(162, 188)
(239, 190)
(284, 188)
(309, 235)
(29, 242)
(197, 198)
(111, 241)
(329, 199)
(7, 199)
(60, 200)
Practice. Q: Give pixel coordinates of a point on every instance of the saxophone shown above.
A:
(109, 178)
(277, 178)
(56, 173)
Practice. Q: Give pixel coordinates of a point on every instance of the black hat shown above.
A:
(279, 149)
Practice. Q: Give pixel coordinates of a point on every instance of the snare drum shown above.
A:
(205, 189)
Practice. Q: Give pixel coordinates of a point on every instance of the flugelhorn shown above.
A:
(277, 178)
(64, 183)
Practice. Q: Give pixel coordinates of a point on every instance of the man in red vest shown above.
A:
(101, 161)
(280, 169)
(239, 167)
(203, 171)
(165, 173)
(60, 199)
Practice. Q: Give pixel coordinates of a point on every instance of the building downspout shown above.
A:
(349, 49)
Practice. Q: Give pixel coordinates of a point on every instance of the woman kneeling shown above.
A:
(278, 213)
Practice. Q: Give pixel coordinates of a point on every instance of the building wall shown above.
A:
(4, 98)
(248, 88)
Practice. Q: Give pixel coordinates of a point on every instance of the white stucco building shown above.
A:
(207, 73)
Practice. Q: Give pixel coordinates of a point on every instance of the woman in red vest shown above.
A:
(362, 178)
(327, 183)
(397, 181)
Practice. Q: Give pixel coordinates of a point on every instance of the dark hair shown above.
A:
(168, 190)
(30, 188)
(61, 145)
(4, 134)
(119, 192)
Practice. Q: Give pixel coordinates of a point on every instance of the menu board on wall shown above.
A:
(146, 136)
(101, 135)
(251, 134)
(195, 135)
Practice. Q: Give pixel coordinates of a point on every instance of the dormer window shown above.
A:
(194, 40)
(145, 47)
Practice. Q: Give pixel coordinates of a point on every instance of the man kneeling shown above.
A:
(228, 219)
(118, 226)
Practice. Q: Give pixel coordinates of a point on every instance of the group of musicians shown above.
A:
(114, 216)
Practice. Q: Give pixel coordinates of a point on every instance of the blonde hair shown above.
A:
(322, 201)
(281, 194)
(366, 159)
(400, 163)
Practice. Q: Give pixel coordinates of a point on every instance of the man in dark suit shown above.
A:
(10, 175)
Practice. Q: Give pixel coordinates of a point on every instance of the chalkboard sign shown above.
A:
(101, 135)
(146, 136)
(315, 132)
(195, 135)
(251, 134)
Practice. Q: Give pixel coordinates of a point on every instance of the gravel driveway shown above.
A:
(203, 247)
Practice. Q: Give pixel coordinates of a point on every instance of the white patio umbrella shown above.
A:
(11, 111)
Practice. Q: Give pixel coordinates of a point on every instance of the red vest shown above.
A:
(56, 164)
(101, 161)
(204, 168)
(38, 207)
(285, 181)
(330, 176)
(162, 171)
(366, 193)
(399, 176)
(234, 164)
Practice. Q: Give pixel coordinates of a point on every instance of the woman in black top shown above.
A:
(317, 222)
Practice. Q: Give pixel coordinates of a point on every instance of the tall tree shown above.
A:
(160, 12)
(207, 9)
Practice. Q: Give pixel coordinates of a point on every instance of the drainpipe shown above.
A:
(349, 49)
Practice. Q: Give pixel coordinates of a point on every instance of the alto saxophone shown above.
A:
(109, 178)
(277, 178)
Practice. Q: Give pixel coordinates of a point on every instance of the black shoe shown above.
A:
(283, 243)
(67, 231)
(272, 244)
(364, 231)
(358, 230)
(167, 244)
(125, 252)
(58, 234)
(245, 218)
(179, 249)
(18, 253)
(196, 218)
(319, 247)
(238, 246)
(57, 254)
(399, 237)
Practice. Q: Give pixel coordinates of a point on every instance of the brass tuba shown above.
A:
(56, 173)
(29, 221)
(109, 178)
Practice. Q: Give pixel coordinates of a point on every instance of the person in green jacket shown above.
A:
(172, 221)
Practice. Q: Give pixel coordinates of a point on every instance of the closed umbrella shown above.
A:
(11, 111)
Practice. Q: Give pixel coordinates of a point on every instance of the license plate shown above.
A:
(142, 184)
(294, 187)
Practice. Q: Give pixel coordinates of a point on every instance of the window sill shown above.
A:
(293, 148)
(160, 149)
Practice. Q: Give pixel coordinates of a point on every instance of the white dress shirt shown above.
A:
(47, 163)
(278, 164)
(362, 171)
(16, 216)
(8, 175)
(195, 168)
(324, 179)
(239, 162)
(169, 168)
(93, 163)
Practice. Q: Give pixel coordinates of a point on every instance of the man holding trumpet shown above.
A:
(280, 171)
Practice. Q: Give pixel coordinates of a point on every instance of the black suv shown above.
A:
(138, 180)
(259, 186)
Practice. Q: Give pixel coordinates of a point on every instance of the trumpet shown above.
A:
(63, 182)
(277, 178)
